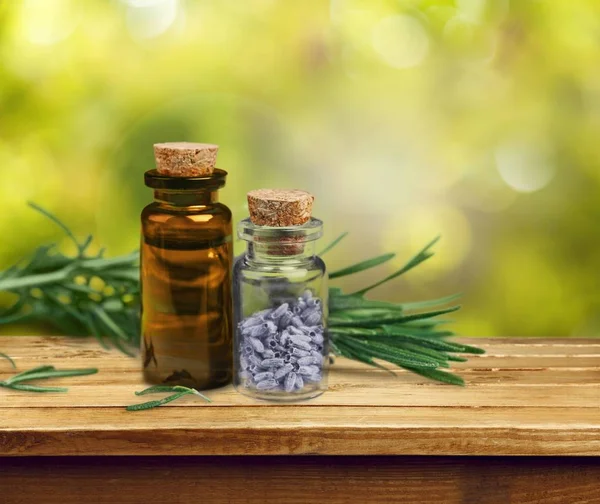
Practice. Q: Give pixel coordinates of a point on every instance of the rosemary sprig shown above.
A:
(406, 335)
(80, 295)
(176, 392)
(16, 382)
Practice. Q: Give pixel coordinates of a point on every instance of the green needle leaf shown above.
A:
(50, 373)
(57, 221)
(12, 362)
(333, 243)
(361, 266)
(36, 388)
(423, 255)
(441, 376)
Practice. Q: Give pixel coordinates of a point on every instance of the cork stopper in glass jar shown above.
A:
(280, 207)
(185, 159)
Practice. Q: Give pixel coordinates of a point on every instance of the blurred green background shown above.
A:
(475, 119)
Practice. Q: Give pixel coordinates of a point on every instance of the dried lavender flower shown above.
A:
(266, 385)
(281, 372)
(257, 344)
(290, 382)
(306, 361)
(300, 353)
(279, 312)
(298, 343)
(265, 375)
(272, 362)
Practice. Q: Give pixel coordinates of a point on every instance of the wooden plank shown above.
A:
(29, 351)
(370, 389)
(301, 430)
(284, 480)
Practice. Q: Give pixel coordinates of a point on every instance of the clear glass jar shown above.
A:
(186, 258)
(280, 313)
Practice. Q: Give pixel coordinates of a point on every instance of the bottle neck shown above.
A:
(280, 252)
(185, 198)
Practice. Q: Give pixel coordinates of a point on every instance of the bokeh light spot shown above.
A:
(46, 22)
(400, 41)
(150, 18)
(526, 166)
(425, 223)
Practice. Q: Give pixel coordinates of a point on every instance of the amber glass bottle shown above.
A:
(186, 282)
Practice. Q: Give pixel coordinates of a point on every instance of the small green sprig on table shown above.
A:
(55, 289)
(17, 382)
(176, 392)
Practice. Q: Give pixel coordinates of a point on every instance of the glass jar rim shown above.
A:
(307, 232)
(214, 181)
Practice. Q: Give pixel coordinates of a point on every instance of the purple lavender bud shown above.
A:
(314, 378)
(277, 355)
(318, 338)
(301, 337)
(253, 368)
(282, 371)
(290, 382)
(285, 319)
(279, 312)
(313, 302)
(287, 358)
(257, 344)
(284, 337)
(254, 360)
(265, 375)
(306, 361)
(250, 322)
(298, 343)
(318, 357)
(243, 362)
(266, 385)
(305, 370)
(300, 353)
(272, 343)
(257, 331)
(312, 318)
(248, 350)
(297, 310)
(273, 362)
(297, 321)
(307, 294)
(268, 353)
(295, 330)
(301, 304)
(264, 313)
(271, 328)
(299, 382)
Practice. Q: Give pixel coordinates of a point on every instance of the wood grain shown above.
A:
(289, 480)
(524, 397)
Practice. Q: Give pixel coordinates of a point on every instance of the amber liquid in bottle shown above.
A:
(186, 288)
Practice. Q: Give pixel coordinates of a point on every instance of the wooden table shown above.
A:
(525, 429)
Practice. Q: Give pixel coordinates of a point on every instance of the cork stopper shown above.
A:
(185, 159)
(280, 207)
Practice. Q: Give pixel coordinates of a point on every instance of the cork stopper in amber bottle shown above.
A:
(185, 159)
